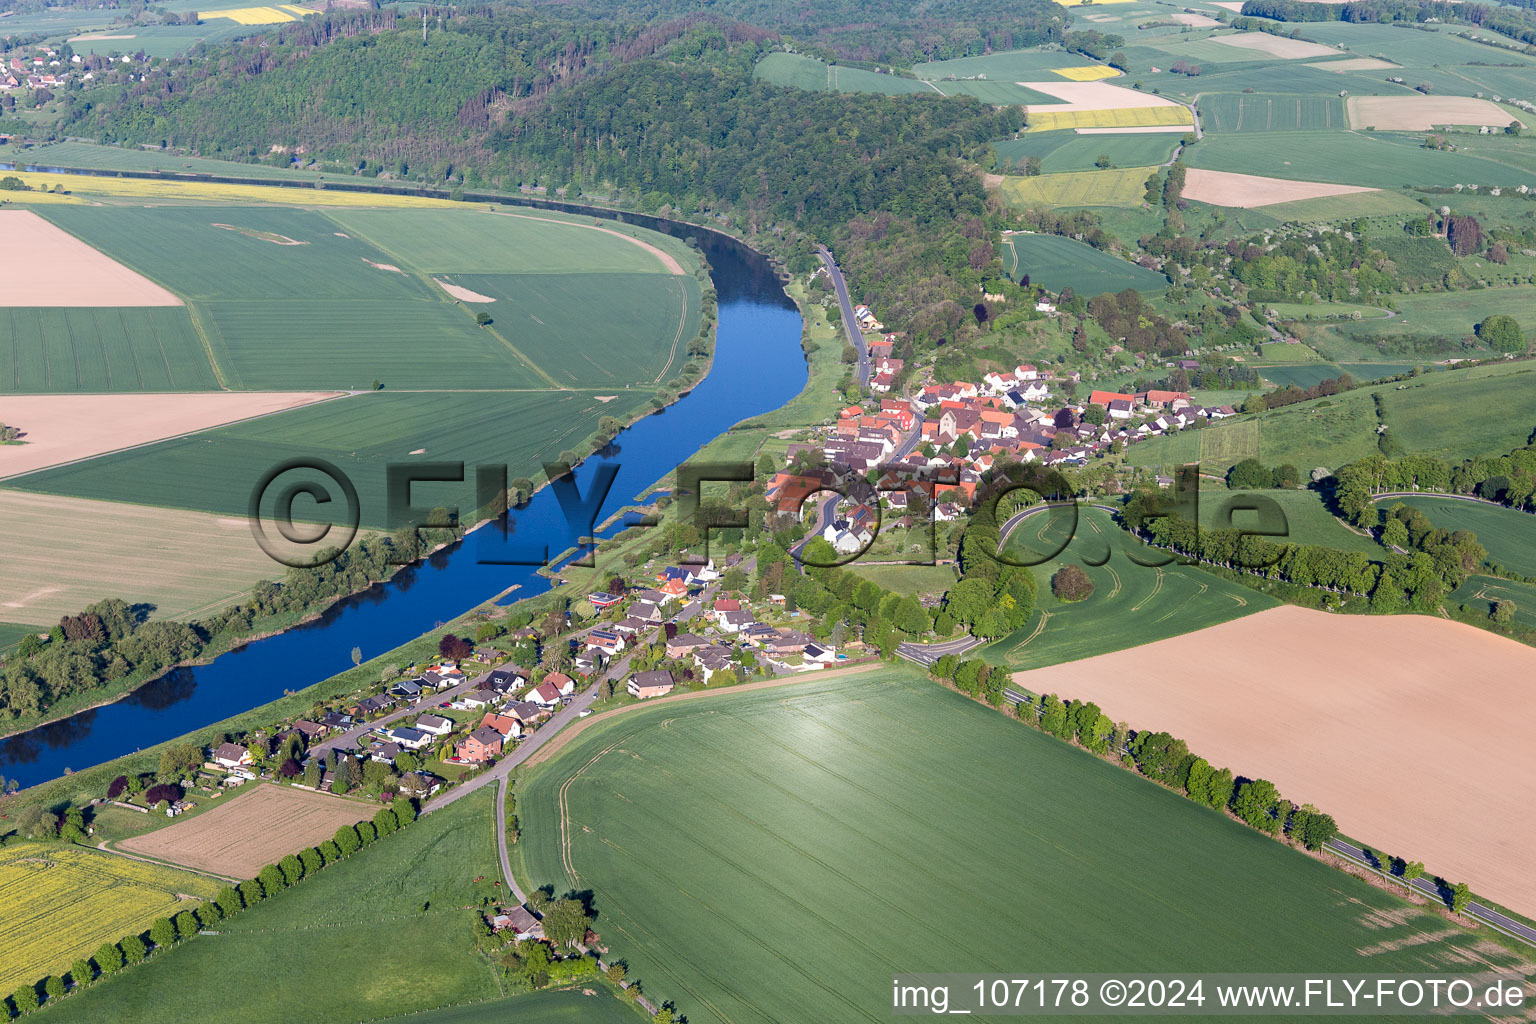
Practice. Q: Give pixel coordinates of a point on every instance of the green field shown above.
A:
(1007, 66)
(1284, 352)
(1375, 159)
(1451, 315)
(12, 632)
(1131, 604)
(1306, 520)
(1325, 432)
(551, 1006)
(1350, 206)
(1480, 592)
(801, 72)
(1302, 375)
(756, 854)
(216, 470)
(1509, 535)
(544, 317)
(1270, 112)
(1069, 151)
(378, 934)
(1121, 186)
(89, 155)
(488, 242)
(909, 579)
(1454, 415)
(1417, 49)
(131, 349)
(1058, 263)
(296, 299)
(1458, 416)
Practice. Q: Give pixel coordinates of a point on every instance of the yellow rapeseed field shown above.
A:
(1086, 73)
(274, 15)
(1120, 186)
(1042, 120)
(38, 198)
(59, 902)
(148, 188)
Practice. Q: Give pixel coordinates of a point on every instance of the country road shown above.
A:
(850, 325)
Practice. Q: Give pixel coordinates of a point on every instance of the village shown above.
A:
(926, 454)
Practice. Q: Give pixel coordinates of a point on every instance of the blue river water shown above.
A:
(758, 366)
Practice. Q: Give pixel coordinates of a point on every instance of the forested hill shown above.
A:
(893, 32)
(659, 115)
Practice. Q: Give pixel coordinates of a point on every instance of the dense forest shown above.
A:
(667, 118)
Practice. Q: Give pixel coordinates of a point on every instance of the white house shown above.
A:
(434, 725)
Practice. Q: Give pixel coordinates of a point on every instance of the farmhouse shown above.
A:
(519, 921)
(650, 684)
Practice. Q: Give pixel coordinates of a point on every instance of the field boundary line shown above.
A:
(682, 321)
(104, 848)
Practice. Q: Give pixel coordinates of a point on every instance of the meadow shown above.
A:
(1458, 416)
(146, 348)
(1509, 535)
(1069, 151)
(1005, 66)
(1373, 159)
(215, 471)
(1304, 519)
(1452, 315)
(92, 156)
(1348, 206)
(1326, 432)
(1264, 112)
(800, 72)
(59, 902)
(1058, 263)
(1132, 604)
(755, 853)
(395, 906)
(1121, 186)
(1453, 414)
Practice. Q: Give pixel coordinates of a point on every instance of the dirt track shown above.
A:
(42, 265)
(1413, 732)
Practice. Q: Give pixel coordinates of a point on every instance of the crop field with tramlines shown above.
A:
(1131, 604)
(59, 902)
(756, 853)
(1120, 186)
(1236, 112)
(115, 349)
(1043, 119)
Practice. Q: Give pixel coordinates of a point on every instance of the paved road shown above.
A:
(927, 654)
(349, 739)
(825, 511)
(850, 325)
(1427, 887)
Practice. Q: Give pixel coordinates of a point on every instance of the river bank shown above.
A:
(757, 365)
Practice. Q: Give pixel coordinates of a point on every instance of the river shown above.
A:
(758, 366)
